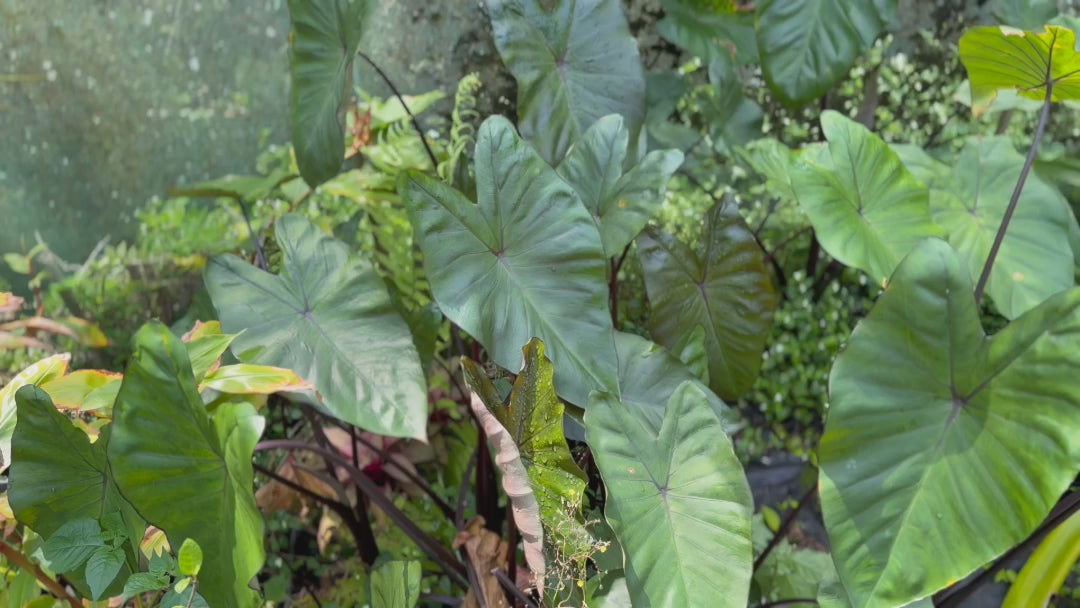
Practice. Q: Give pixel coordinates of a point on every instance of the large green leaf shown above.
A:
(944, 448)
(1036, 258)
(733, 118)
(524, 262)
(325, 34)
(58, 475)
(807, 46)
(534, 419)
(723, 288)
(189, 475)
(1007, 58)
(575, 61)
(867, 209)
(649, 375)
(327, 317)
(621, 203)
(708, 34)
(40, 372)
(677, 500)
(1025, 14)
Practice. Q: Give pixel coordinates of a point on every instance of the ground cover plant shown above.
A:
(539, 360)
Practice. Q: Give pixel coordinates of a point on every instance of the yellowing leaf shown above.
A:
(71, 391)
(247, 379)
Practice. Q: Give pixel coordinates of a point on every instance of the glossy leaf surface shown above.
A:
(524, 262)
(328, 317)
(575, 61)
(943, 447)
(677, 500)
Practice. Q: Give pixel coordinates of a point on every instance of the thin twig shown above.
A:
(254, 236)
(415, 123)
(438, 553)
(784, 527)
(14, 556)
(513, 589)
(985, 276)
(463, 492)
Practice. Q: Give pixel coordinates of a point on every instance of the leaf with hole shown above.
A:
(723, 287)
(677, 500)
(327, 317)
(163, 444)
(574, 61)
(524, 262)
(944, 447)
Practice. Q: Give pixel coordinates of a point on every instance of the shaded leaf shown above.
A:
(323, 41)
(620, 203)
(708, 34)
(247, 188)
(677, 500)
(807, 46)
(72, 544)
(163, 444)
(524, 262)
(944, 448)
(723, 287)
(574, 61)
(102, 568)
(868, 211)
(327, 316)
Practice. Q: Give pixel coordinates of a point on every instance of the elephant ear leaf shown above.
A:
(868, 210)
(163, 444)
(325, 35)
(620, 202)
(936, 431)
(525, 261)
(575, 61)
(723, 288)
(677, 500)
(1030, 63)
(327, 317)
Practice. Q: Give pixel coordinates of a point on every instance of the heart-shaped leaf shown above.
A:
(328, 318)
(944, 448)
(677, 500)
(163, 445)
(867, 209)
(1036, 258)
(524, 262)
(575, 61)
(723, 288)
(1007, 58)
(621, 203)
(324, 38)
(807, 46)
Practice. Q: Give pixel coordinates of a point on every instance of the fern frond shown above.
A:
(463, 124)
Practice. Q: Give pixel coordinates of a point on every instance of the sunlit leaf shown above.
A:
(40, 372)
(943, 447)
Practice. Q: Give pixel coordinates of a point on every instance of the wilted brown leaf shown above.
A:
(487, 551)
